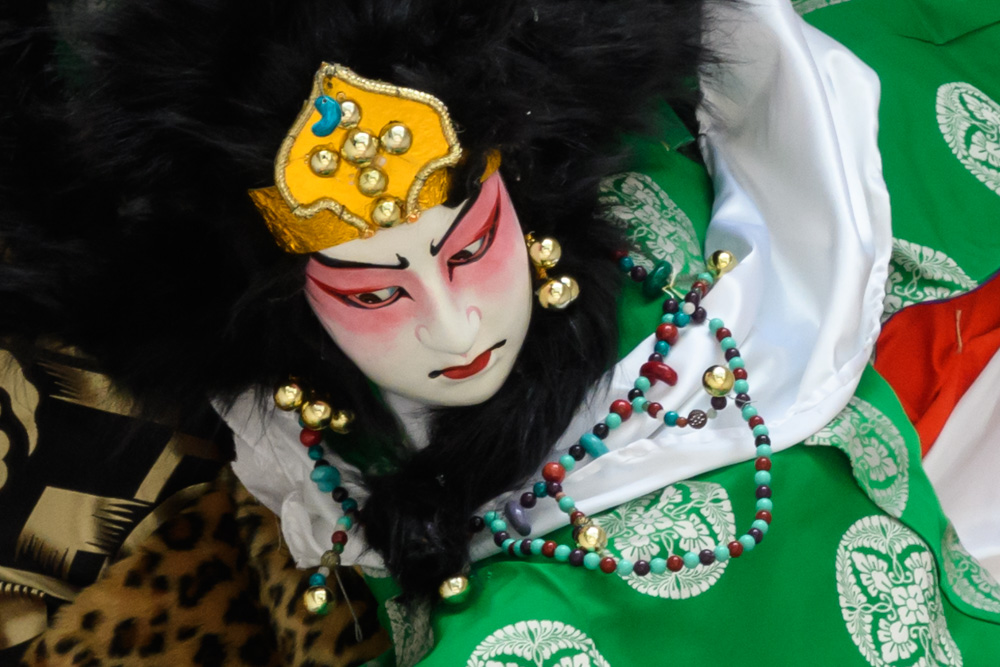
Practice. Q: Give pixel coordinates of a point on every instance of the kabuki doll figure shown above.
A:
(526, 311)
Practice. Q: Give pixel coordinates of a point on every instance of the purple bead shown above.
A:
(699, 315)
(762, 440)
(671, 306)
(340, 494)
(499, 538)
(476, 524)
(732, 353)
(641, 568)
(742, 399)
(756, 535)
(576, 557)
(578, 452)
(552, 488)
(512, 548)
(637, 273)
(707, 557)
(634, 394)
(657, 357)
(528, 499)
(719, 402)
(601, 430)
(697, 419)
(763, 491)
(526, 547)
(517, 517)
(693, 297)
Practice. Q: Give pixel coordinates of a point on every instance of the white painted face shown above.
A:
(437, 310)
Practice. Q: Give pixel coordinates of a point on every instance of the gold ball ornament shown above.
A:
(341, 421)
(350, 114)
(721, 262)
(317, 599)
(316, 415)
(454, 590)
(388, 212)
(545, 254)
(718, 380)
(558, 293)
(330, 559)
(372, 181)
(396, 138)
(592, 538)
(360, 147)
(289, 397)
(323, 161)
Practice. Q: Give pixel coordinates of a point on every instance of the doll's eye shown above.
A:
(377, 298)
(474, 251)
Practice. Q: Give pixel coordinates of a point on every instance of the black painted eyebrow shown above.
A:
(435, 249)
(345, 264)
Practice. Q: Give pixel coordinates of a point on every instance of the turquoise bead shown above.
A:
(506, 543)
(761, 525)
(658, 565)
(349, 504)
(642, 383)
(762, 450)
(681, 319)
(536, 546)
(691, 559)
(670, 419)
(562, 553)
(316, 452)
(592, 560)
(748, 412)
(539, 490)
(662, 347)
(594, 446)
(325, 486)
(624, 567)
(490, 517)
(741, 387)
(762, 477)
(317, 580)
(765, 504)
(736, 362)
(626, 263)
(498, 525)
(721, 553)
(639, 404)
(345, 521)
(715, 324)
(760, 430)
(668, 318)
(567, 504)
(727, 343)
(324, 474)
(613, 420)
(748, 542)
(706, 278)
(567, 461)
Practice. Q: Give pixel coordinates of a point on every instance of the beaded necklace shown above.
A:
(591, 540)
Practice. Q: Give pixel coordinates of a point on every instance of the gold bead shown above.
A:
(396, 138)
(372, 181)
(592, 538)
(341, 421)
(323, 161)
(360, 147)
(545, 254)
(581, 520)
(718, 380)
(454, 590)
(316, 415)
(330, 559)
(722, 261)
(558, 293)
(388, 212)
(288, 397)
(316, 599)
(350, 114)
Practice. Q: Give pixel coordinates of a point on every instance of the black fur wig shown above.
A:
(129, 137)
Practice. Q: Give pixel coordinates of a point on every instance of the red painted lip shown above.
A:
(462, 372)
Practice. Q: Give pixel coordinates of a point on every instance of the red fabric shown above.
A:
(931, 354)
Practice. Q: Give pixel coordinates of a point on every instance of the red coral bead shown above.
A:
(618, 254)
(762, 463)
(608, 565)
(755, 421)
(740, 373)
(553, 472)
(667, 332)
(575, 516)
(735, 549)
(622, 408)
(549, 549)
(309, 437)
(675, 563)
(722, 333)
(682, 422)
(764, 515)
(657, 371)
(340, 537)
(701, 286)
(653, 409)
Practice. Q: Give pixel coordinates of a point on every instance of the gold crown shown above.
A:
(362, 155)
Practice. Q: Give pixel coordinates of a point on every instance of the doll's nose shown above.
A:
(450, 327)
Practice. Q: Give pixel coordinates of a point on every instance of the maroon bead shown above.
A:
(719, 402)
(528, 499)
(763, 491)
(675, 563)
(653, 409)
(692, 297)
(637, 273)
(554, 472)
(740, 373)
(667, 332)
(578, 452)
(682, 422)
(512, 548)
(634, 394)
(742, 399)
(501, 537)
(608, 565)
(340, 494)
(622, 408)
(762, 463)
(762, 440)
(526, 547)
(656, 356)
(601, 430)
(339, 537)
(735, 549)
(699, 315)
(574, 515)
(764, 515)
(671, 306)
(552, 488)
(576, 557)
(309, 437)
(476, 524)
(722, 332)
(697, 419)
(549, 549)
(656, 371)
(732, 353)
(756, 534)
(619, 254)
(641, 568)
(707, 557)
(755, 421)
(701, 286)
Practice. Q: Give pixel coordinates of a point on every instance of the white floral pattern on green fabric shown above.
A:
(877, 451)
(889, 597)
(537, 644)
(918, 273)
(803, 7)
(412, 635)
(970, 580)
(970, 122)
(686, 516)
(652, 221)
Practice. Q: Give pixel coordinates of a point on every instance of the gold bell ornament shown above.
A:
(721, 262)
(555, 293)
(718, 381)
(455, 590)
